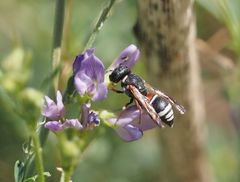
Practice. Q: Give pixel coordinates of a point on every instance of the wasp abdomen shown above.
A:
(164, 110)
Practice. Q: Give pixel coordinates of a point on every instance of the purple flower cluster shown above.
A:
(89, 75)
(88, 80)
(55, 114)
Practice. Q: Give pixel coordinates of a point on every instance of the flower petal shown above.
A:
(77, 63)
(94, 68)
(83, 83)
(60, 105)
(130, 128)
(127, 116)
(49, 102)
(80, 58)
(131, 115)
(54, 126)
(128, 57)
(129, 133)
(72, 123)
(146, 122)
(51, 109)
(100, 92)
(90, 51)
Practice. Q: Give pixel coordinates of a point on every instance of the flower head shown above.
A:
(89, 76)
(128, 125)
(53, 110)
(89, 120)
(93, 120)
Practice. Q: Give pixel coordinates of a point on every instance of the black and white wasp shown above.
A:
(157, 104)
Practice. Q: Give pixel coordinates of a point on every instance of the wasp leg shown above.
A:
(117, 91)
(126, 105)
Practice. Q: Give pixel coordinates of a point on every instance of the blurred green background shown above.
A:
(26, 37)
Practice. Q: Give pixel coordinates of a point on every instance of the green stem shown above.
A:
(58, 25)
(69, 156)
(66, 175)
(57, 40)
(66, 28)
(99, 25)
(38, 157)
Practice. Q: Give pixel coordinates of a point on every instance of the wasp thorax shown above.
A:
(119, 73)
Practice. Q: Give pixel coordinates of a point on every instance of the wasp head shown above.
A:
(119, 73)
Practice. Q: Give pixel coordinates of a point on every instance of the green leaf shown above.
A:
(34, 178)
(18, 171)
(30, 180)
(48, 81)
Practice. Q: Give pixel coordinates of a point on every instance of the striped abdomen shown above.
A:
(164, 109)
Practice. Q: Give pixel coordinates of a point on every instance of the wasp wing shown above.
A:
(178, 106)
(144, 102)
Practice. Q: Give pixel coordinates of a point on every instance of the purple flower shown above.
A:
(89, 120)
(89, 76)
(57, 126)
(54, 126)
(128, 57)
(93, 120)
(72, 123)
(128, 125)
(53, 110)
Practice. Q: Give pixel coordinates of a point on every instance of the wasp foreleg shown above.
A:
(117, 91)
(126, 105)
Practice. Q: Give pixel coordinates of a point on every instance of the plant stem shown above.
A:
(57, 40)
(69, 152)
(66, 175)
(58, 25)
(66, 28)
(38, 156)
(99, 24)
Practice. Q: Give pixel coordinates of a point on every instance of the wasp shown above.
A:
(157, 104)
